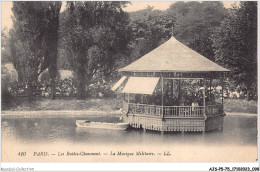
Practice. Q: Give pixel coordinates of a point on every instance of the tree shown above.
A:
(235, 45)
(5, 49)
(150, 29)
(192, 23)
(195, 23)
(93, 34)
(27, 39)
(52, 11)
(33, 39)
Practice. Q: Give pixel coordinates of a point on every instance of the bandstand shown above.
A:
(172, 88)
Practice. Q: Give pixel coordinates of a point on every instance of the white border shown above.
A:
(133, 166)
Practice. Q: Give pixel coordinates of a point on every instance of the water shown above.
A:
(238, 130)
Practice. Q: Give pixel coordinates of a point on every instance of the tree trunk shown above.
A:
(87, 84)
(53, 89)
(248, 95)
(30, 89)
(21, 73)
(53, 71)
(31, 84)
(51, 50)
(81, 87)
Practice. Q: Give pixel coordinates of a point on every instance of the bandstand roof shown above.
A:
(173, 56)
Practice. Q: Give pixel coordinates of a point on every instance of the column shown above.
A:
(210, 82)
(204, 101)
(179, 90)
(171, 88)
(222, 92)
(162, 130)
(162, 92)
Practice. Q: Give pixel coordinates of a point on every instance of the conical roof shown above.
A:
(173, 56)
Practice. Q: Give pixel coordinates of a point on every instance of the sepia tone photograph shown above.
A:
(119, 81)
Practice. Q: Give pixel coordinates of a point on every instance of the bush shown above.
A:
(101, 90)
(8, 78)
(65, 87)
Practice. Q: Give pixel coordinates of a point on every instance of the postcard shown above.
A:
(117, 81)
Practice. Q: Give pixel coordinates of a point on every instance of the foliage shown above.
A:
(20, 89)
(64, 88)
(8, 77)
(52, 10)
(5, 49)
(95, 39)
(150, 28)
(28, 36)
(235, 45)
(192, 23)
(195, 23)
(5, 81)
(92, 35)
(33, 39)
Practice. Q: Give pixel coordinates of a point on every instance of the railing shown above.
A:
(183, 111)
(173, 111)
(153, 110)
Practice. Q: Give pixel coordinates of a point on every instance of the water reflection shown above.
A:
(238, 130)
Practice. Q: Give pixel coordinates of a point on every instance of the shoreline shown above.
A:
(58, 114)
(83, 113)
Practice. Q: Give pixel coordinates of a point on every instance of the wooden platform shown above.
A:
(175, 118)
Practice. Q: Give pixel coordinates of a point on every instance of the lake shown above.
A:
(26, 133)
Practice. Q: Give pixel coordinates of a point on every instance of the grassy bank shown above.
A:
(104, 104)
(26, 104)
(239, 105)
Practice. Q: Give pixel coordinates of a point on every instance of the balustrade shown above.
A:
(145, 109)
(173, 111)
(183, 111)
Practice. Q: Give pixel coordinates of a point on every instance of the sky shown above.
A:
(6, 7)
